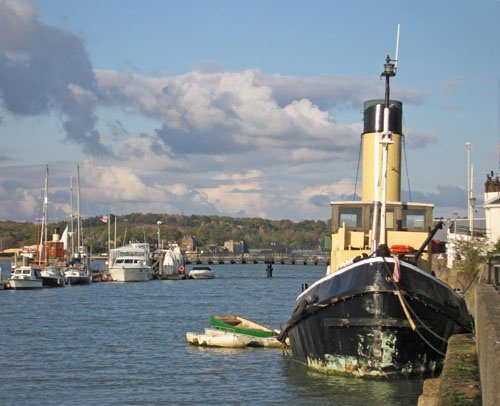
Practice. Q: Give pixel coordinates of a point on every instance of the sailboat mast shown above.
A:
(79, 228)
(43, 235)
(72, 220)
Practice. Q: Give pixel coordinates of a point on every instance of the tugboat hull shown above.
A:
(353, 322)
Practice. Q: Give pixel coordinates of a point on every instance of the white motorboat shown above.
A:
(25, 277)
(201, 272)
(130, 263)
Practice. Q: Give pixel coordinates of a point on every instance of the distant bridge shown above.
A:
(295, 259)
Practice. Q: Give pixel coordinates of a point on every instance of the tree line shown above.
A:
(257, 233)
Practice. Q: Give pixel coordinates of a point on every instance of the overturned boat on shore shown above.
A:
(379, 311)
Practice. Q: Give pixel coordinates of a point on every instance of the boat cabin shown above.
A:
(25, 272)
(407, 225)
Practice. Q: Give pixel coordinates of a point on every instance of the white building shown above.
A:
(492, 207)
(489, 227)
(235, 247)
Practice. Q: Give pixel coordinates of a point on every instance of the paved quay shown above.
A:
(470, 373)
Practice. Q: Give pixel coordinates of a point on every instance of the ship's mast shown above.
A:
(380, 202)
(389, 71)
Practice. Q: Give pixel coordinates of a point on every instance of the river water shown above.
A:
(124, 344)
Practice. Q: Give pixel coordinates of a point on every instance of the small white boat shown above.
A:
(201, 272)
(25, 277)
(214, 337)
(223, 340)
(233, 331)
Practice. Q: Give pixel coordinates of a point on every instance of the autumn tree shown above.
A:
(473, 254)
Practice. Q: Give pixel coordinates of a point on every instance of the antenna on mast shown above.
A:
(395, 60)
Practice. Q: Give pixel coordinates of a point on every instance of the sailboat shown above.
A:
(78, 271)
(379, 311)
(51, 253)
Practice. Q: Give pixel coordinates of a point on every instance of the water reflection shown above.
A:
(313, 388)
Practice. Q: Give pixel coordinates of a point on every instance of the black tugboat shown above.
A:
(379, 311)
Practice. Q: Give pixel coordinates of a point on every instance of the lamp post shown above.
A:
(472, 202)
(455, 216)
(468, 147)
(452, 247)
(158, 223)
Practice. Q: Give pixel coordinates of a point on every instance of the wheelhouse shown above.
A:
(407, 224)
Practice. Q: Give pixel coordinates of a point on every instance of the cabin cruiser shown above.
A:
(25, 277)
(130, 263)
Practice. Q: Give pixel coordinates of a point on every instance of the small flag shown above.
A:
(104, 219)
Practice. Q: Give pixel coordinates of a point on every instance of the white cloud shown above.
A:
(226, 142)
(116, 182)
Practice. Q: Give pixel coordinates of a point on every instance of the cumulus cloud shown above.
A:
(218, 142)
(43, 69)
(230, 112)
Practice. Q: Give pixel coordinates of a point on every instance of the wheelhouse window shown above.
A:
(350, 216)
(414, 219)
(389, 220)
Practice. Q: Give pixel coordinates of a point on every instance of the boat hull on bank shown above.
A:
(353, 322)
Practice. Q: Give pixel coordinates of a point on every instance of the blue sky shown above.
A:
(235, 108)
